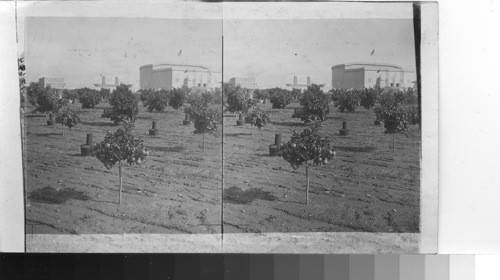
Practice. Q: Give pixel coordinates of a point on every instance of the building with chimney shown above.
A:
(365, 75)
(111, 87)
(301, 82)
(169, 75)
(55, 83)
(247, 83)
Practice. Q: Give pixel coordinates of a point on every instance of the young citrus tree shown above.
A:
(308, 148)
(315, 104)
(157, 101)
(280, 98)
(120, 147)
(205, 118)
(368, 98)
(89, 98)
(395, 118)
(67, 117)
(125, 105)
(257, 117)
(237, 98)
(177, 97)
(347, 100)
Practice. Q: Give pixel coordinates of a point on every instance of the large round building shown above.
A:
(365, 75)
(168, 76)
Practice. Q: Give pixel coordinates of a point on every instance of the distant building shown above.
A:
(301, 83)
(55, 83)
(168, 76)
(111, 87)
(365, 75)
(248, 83)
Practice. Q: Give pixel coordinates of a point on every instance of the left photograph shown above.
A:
(122, 125)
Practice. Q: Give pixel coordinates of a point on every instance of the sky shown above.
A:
(273, 51)
(80, 50)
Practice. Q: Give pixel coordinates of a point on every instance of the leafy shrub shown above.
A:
(261, 94)
(346, 99)
(118, 147)
(368, 98)
(144, 95)
(67, 117)
(410, 96)
(32, 92)
(238, 99)
(177, 97)
(89, 98)
(125, 105)
(257, 117)
(309, 148)
(157, 100)
(70, 94)
(105, 93)
(395, 118)
(48, 101)
(315, 104)
(279, 98)
(205, 118)
(413, 114)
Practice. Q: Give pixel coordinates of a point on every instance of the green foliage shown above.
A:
(395, 112)
(144, 95)
(70, 94)
(105, 93)
(410, 96)
(257, 117)
(413, 114)
(368, 98)
(296, 94)
(261, 94)
(308, 147)
(44, 99)
(157, 100)
(315, 104)
(395, 118)
(89, 98)
(205, 118)
(237, 98)
(125, 105)
(346, 99)
(120, 146)
(67, 117)
(279, 98)
(177, 97)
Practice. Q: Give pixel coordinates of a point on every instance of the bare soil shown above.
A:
(367, 188)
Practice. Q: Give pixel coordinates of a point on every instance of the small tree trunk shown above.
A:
(203, 147)
(120, 175)
(307, 186)
(62, 129)
(393, 143)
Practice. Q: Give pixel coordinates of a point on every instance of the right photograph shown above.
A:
(322, 131)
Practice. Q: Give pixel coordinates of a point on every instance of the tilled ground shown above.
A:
(368, 187)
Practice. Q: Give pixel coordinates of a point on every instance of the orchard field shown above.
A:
(368, 187)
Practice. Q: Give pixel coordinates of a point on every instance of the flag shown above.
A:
(373, 52)
(180, 53)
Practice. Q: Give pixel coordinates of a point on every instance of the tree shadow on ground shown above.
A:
(99, 123)
(289, 123)
(46, 134)
(177, 149)
(237, 134)
(236, 195)
(52, 196)
(356, 149)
